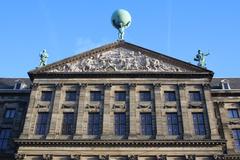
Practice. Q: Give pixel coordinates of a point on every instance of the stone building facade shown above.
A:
(122, 101)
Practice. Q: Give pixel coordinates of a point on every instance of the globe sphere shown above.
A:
(121, 18)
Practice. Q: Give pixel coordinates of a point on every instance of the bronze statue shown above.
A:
(201, 58)
(43, 58)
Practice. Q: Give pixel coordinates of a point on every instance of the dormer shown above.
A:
(19, 85)
(225, 84)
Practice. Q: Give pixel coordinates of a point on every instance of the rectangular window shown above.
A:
(173, 125)
(120, 96)
(46, 96)
(5, 136)
(195, 96)
(94, 123)
(199, 125)
(68, 123)
(233, 113)
(95, 95)
(145, 95)
(120, 123)
(10, 113)
(170, 96)
(146, 123)
(236, 136)
(70, 96)
(42, 122)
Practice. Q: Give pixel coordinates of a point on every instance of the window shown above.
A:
(120, 123)
(10, 113)
(236, 137)
(145, 95)
(233, 113)
(95, 95)
(173, 125)
(94, 123)
(70, 96)
(199, 125)
(195, 96)
(225, 84)
(5, 136)
(170, 96)
(146, 123)
(120, 96)
(42, 121)
(46, 96)
(68, 123)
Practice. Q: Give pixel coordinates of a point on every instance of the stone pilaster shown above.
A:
(80, 111)
(158, 111)
(185, 113)
(30, 116)
(132, 111)
(107, 131)
(54, 112)
(210, 111)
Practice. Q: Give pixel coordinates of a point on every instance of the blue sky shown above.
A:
(177, 28)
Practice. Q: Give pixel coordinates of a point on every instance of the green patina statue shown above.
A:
(201, 59)
(121, 19)
(43, 58)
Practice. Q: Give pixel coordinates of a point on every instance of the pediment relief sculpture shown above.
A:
(118, 59)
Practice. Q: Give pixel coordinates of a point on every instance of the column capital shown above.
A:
(83, 85)
(132, 157)
(132, 85)
(58, 86)
(19, 156)
(75, 157)
(157, 85)
(181, 85)
(103, 157)
(161, 157)
(107, 85)
(190, 157)
(206, 86)
(219, 103)
(218, 157)
(34, 86)
(47, 157)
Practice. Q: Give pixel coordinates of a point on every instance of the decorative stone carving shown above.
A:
(107, 85)
(218, 157)
(161, 157)
(35, 86)
(144, 107)
(132, 157)
(47, 157)
(83, 85)
(68, 106)
(132, 85)
(206, 86)
(93, 108)
(119, 59)
(195, 105)
(220, 104)
(75, 157)
(157, 85)
(119, 107)
(58, 85)
(104, 157)
(181, 86)
(42, 106)
(19, 156)
(170, 105)
(190, 157)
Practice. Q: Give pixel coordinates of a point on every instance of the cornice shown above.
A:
(135, 143)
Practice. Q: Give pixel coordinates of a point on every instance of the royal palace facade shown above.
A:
(117, 102)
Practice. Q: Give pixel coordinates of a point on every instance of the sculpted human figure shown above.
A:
(43, 58)
(201, 59)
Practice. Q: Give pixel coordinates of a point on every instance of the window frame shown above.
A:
(46, 98)
(193, 97)
(173, 126)
(41, 127)
(69, 97)
(146, 123)
(93, 123)
(94, 97)
(143, 97)
(120, 123)
(68, 125)
(199, 125)
(5, 139)
(169, 98)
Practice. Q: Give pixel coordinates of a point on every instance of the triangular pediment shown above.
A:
(119, 56)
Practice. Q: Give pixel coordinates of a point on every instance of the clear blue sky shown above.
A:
(177, 28)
